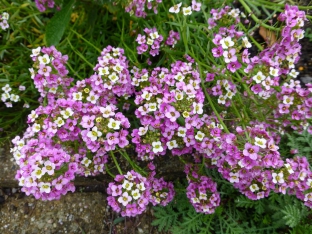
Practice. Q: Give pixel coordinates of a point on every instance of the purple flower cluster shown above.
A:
(50, 73)
(170, 108)
(131, 193)
(73, 132)
(150, 42)
(42, 5)
(294, 107)
(113, 73)
(201, 191)
(139, 7)
(224, 90)
(173, 38)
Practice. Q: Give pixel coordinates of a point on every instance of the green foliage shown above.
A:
(301, 142)
(57, 25)
(236, 215)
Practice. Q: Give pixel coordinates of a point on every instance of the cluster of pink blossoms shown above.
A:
(76, 126)
(152, 41)
(138, 7)
(201, 191)
(49, 73)
(131, 193)
(42, 5)
(170, 108)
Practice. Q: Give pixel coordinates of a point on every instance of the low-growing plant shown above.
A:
(177, 79)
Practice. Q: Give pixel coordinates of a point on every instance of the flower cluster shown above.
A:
(186, 10)
(201, 191)
(173, 38)
(150, 42)
(113, 74)
(4, 17)
(8, 96)
(49, 73)
(76, 123)
(138, 8)
(296, 177)
(129, 194)
(42, 5)
(170, 108)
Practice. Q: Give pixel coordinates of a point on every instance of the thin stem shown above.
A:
(79, 54)
(85, 40)
(116, 163)
(255, 18)
(108, 171)
(134, 166)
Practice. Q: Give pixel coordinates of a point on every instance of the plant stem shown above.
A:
(255, 18)
(116, 163)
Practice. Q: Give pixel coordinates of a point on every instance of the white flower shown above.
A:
(152, 106)
(141, 186)
(5, 16)
(85, 161)
(308, 197)
(278, 178)
(261, 142)
(289, 169)
(172, 144)
(77, 96)
(246, 43)
(107, 111)
(157, 147)
(14, 98)
(226, 42)
(274, 71)
(200, 136)
(142, 131)
(187, 10)
(154, 35)
(234, 177)
(181, 132)
(94, 134)
(113, 77)
(127, 185)
(293, 73)
(67, 113)
(309, 183)
(92, 97)
(44, 187)
(103, 71)
(118, 68)
(6, 88)
(150, 41)
(38, 173)
(222, 99)
(114, 124)
(59, 122)
(35, 52)
(146, 95)
(179, 76)
(178, 95)
(36, 127)
(32, 73)
(136, 194)
(234, 13)
(254, 187)
(197, 108)
(175, 8)
(259, 77)
(44, 59)
(32, 116)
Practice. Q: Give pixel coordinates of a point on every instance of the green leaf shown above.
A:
(57, 25)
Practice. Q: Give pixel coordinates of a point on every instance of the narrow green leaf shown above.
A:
(57, 25)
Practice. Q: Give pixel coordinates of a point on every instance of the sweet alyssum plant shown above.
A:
(218, 108)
